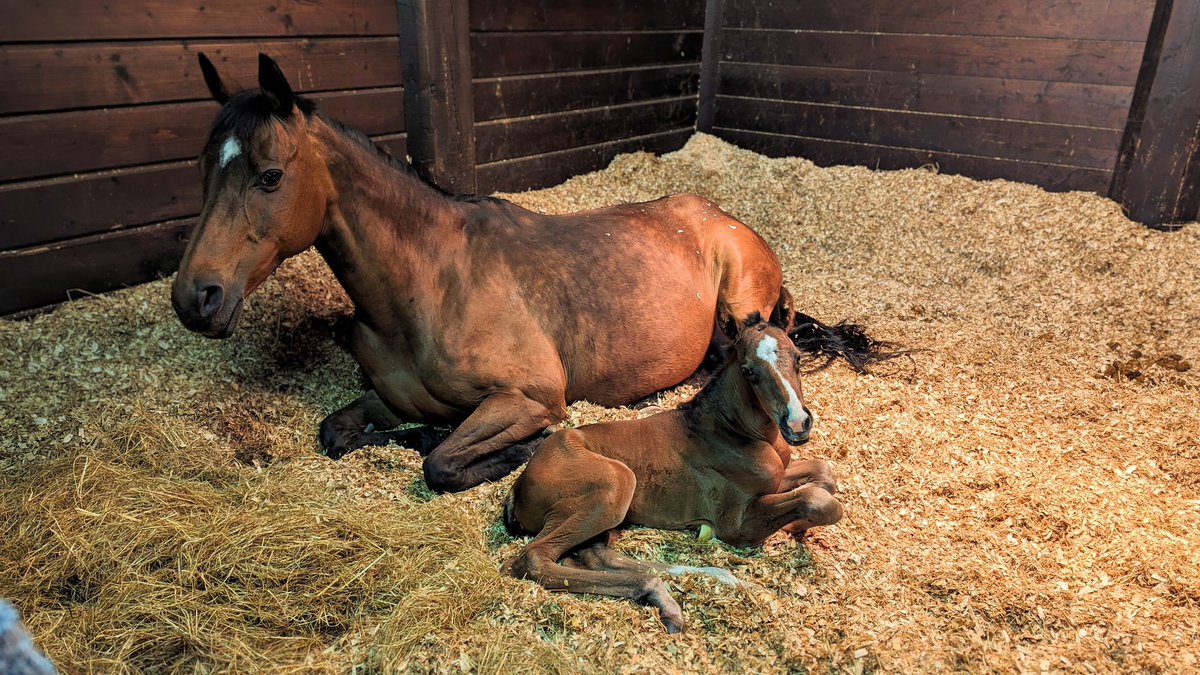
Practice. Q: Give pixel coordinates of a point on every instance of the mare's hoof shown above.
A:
(672, 627)
(338, 441)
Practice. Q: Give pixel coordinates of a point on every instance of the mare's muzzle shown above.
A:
(204, 307)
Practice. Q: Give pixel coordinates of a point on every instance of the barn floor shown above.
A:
(1022, 495)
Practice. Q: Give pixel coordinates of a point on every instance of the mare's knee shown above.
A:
(444, 475)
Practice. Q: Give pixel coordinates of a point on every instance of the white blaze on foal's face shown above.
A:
(768, 352)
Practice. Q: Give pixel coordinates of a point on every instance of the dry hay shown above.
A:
(1022, 496)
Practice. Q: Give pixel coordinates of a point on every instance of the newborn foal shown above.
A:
(720, 460)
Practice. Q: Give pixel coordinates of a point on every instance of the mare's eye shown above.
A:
(270, 178)
(749, 373)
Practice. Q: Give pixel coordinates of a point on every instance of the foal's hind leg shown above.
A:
(365, 421)
(600, 556)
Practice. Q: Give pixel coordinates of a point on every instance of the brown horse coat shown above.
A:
(469, 312)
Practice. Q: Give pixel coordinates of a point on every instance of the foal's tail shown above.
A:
(844, 340)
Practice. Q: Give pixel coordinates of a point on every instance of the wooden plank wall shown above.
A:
(1030, 90)
(562, 86)
(103, 111)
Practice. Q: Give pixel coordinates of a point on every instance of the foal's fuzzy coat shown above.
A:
(721, 460)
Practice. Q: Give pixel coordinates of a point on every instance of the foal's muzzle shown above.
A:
(798, 436)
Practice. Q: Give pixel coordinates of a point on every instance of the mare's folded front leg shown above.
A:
(495, 439)
(809, 472)
(365, 422)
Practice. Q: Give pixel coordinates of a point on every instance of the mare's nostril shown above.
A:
(807, 422)
(209, 300)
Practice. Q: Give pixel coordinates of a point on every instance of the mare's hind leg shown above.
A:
(495, 439)
(366, 421)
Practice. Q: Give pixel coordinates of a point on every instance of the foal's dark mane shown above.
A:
(247, 111)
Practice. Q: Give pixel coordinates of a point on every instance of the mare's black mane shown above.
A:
(247, 111)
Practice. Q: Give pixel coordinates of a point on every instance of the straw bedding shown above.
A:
(1022, 495)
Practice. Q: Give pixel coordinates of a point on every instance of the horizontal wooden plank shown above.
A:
(497, 54)
(58, 143)
(1109, 20)
(1097, 105)
(509, 138)
(1095, 62)
(93, 75)
(45, 275)
(1026, 141)
(521, 15)
(60, 20)
(825, 152)
(497, 98)
(66, 207)
(538, 171)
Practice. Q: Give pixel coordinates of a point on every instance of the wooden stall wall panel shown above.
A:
(552, 168)
(993, 87)
(560, 85)
(1121, 20)
(103, 110)
(826, 152)
(73, 20)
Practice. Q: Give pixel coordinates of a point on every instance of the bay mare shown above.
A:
(470, 313)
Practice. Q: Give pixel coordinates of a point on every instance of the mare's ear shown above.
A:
(216, 87)
(781, 315)
(275, 86)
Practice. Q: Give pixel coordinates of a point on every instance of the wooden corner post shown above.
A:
(1157, 177)
(439, 114)
(710, 60)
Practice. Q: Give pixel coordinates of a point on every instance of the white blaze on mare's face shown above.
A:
(229, 149)
(796, 414)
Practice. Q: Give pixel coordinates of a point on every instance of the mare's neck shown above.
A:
(728, 405)
(384, 227)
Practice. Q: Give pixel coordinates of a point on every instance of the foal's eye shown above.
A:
(749, 373)
(270, 178)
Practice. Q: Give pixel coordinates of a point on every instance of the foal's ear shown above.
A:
(781, 315)
(275, 85)
(216, 87)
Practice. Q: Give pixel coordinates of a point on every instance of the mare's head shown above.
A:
(770, 364)
(266, 193)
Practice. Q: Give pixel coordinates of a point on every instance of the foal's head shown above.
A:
(266, 193)
(770, 364)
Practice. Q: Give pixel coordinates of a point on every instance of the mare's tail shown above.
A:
(844, 340)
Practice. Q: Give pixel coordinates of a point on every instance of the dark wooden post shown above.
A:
(1157, 178)
(438, 111)
(710, 59)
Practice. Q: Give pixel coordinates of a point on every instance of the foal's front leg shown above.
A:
(495, 439)
(366, 421)
(797, 510)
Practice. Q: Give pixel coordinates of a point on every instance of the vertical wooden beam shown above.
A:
(439, 114)
(710, 60)
(1157, 177)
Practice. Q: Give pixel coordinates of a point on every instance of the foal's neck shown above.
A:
(729, 404)
(384, 227)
